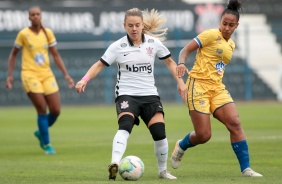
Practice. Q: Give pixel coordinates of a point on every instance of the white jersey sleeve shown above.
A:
(110, 55)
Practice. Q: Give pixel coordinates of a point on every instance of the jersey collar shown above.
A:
(130, 42)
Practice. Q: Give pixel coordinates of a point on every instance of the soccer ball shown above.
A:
(131, 168)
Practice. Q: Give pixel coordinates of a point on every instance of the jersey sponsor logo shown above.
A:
(220, 66)
(39, 59)
(139, 68)
(124, 105)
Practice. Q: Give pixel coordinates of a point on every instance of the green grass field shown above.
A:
(83, 137)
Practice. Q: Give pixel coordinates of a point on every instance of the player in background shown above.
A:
(207, 93)
(136, 93)
(37, 77)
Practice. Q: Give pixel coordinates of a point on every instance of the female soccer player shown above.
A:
(37, 78)
(207, 93)
(136, 93)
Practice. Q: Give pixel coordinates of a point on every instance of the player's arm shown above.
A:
(94, 70)
(58, 60)
(181, 87)
(183, 55)
(11, 65)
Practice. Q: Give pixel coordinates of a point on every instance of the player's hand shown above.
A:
(9, 82)
(182, 91)
(70, 81)
(80, 86)
(181, 70)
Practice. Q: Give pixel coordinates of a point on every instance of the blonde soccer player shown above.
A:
(136, 93)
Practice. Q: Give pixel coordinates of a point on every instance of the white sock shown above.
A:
(119, 145)
(161, 152)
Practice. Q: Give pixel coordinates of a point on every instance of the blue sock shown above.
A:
(42, 122)
(51, 119)
(242, 153)
(185, 143)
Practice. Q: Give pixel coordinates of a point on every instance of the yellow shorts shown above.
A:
(39, 83)
(206, 98)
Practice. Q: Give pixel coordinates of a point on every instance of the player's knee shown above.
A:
(55, 112)
(203, 138)
(126, 122)
(158, 131)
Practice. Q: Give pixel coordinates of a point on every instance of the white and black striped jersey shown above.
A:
(135, 75)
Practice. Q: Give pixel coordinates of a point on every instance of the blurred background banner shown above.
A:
(84, 29)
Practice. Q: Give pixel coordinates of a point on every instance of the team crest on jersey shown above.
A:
(149, 51)
(123, 45)
(220, 66)
(202, 102)
(151, 41)
(124, 105)
(219, 52)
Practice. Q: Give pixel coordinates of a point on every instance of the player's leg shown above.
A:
(228, 115)
(51, 99)
(200, 135)
(153, 116)
(126, 121)
(40, 105)
(33, 86)
(198, 104)
(54, 104)
(52, 96)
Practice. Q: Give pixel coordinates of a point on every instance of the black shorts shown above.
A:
(144, 106)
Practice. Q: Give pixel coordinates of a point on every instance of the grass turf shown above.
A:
(83, 135)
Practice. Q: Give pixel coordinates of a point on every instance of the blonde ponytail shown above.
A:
(152, 22)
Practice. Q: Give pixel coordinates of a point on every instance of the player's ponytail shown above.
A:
(152, 22)
(45, 32)
(233, 7)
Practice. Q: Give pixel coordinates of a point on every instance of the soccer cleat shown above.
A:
(49, 150)
(250, 173)
(113, 170)
(176, 155)
(166, 175)
(38, 136)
